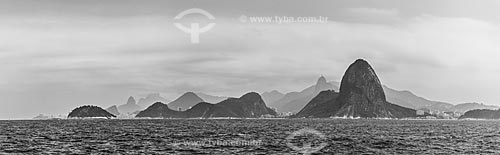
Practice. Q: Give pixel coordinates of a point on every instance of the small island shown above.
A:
(481, 114)
(89, 111)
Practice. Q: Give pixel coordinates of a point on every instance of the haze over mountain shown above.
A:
(322, 85)
(210, 98)
(129, 107)
(273, 96)
(150, 99)
(294, 101)
(361, 95)
(185, 101)
(113, 110)
(408, 99)
(249, 105)
(464, 107)
(41, 117)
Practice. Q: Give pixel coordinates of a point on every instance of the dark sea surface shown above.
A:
(172, 136)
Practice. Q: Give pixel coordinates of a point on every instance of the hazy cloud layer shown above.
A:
(62, 54)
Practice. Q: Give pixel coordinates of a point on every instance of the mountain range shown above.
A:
(249, 105)
(302, 102)
(132, 107)
(295, 101)
(185, 101)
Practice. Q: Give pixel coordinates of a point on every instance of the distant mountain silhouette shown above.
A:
(160, 110)
(481, 114)
(130, 107)
(410, 100)
(294, 101)
(113, 110)
(407, 98)
(322, 85)
(41, 117)
(249, 105)
(472, 106)
(150, 99)
(186, 101)
(273, 96)
(361, 95)
(211, 98)
(89, 111)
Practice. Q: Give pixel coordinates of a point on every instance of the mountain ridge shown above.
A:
(113, 110)
(210, 98)
(249, 105)
(403, 98)
(185, 101)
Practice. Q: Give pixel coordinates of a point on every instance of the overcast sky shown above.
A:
(56, 55)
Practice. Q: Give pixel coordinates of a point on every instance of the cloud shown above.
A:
(72, 60)
(373, 15)
(375, 12)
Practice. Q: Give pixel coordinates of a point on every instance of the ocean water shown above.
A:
(250, 136)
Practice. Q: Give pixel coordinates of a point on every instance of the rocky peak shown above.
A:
(131, 100)
(271, 97)
(249, 105)
(360, 80)
(322, 85)
(130, 107)
(321, 81)
(361, 95)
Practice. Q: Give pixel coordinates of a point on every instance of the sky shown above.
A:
(56, 55)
